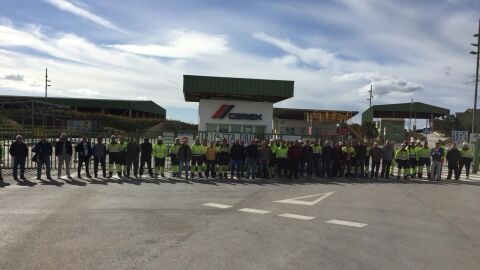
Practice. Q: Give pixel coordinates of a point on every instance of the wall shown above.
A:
(208, 107)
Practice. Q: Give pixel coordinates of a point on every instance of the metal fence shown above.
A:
(32, 136)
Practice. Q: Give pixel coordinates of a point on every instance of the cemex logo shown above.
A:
(225, 110)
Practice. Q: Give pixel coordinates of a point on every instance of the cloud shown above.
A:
(13, 77)
(69, 7)
(314, 56)
(181, 44)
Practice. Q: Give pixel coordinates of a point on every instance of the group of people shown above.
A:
(257, 159)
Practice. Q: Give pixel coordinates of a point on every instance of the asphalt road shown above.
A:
(166, 225)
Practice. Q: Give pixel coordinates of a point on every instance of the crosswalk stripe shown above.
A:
(217, 205)
(346, 223)
(254, 211)
(287, 215)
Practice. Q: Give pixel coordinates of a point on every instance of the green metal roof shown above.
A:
(402, 110)
(139, 105)
(205, 87)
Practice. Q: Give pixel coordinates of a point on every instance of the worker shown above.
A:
(84, 150)
(63, 152)
(122, 156)
(376, 154)
(349, 152)
(204, 160)
(367, 157)
(211, 156)
(146, 157)
(274, 144)
(114, 149)
(131, 157)
(453, 158)
(184, 156)
(282, 159)
(317, 158)
(306, 160)
(251, 153)
(360, 154)
(236, 155)
(466, 157)
(294, 157)
(223, 158)
(388, 155)
(412, 161)
(326, 158)
(339, 157)
(173, 157)
(19, 152)
(198, 152)
(402, 157)
(99, 151)
(437, 155)
(159, 153)
(2, 184)
(43, 152)
(423, 159)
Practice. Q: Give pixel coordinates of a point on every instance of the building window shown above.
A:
(290, 131)
(248, 129)
(302, 131)
(236, 128)
(211, 127)
(223, 128)
(260, 129)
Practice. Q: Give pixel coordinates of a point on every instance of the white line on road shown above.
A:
(217, 205)
(255, 211)
(287, 215)
(297, 200)
(346, 223)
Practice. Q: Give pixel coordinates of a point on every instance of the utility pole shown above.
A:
(370, 97)
(46, 83)
(410, 120)
(477, 35)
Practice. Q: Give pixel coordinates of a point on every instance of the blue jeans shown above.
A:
(360, 163)
(183, 165)
(40, 162)
(236, 163)
(251, 167)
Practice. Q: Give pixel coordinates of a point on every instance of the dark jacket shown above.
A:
(133, 150)
(264, 153)
(99, 150)
(42, 149)
(236, 152)
(453, 156)
(59, 150)
(327, 152)
(146, 149)
(81, 151)
(388, 153)
(360, 151)
(436, 154)
(338, 154)
(184, 153)
(295, 152)
(251, 151)
(376, 153)
(307, 152)
(18, 150)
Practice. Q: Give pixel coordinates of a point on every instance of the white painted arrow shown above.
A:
(298, 200)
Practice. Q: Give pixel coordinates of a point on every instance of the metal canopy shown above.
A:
(205, 87)
(418, 110)
(299, 114)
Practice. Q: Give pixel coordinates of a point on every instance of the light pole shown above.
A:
(477, 35)
(46, 83)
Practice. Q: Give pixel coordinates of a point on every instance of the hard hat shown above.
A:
(113, 137)
(160, 138)
(272, 139)
(464, 144)
(365, 141)
(218, 140)
(340, 143)
(412, 141)
(197, 138)
(419, 141)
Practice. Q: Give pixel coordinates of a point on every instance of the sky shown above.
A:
(333, 49)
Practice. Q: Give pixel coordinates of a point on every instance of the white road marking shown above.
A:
(287, 215)
(217, 205)
(308, 203)
(255, 211)
(346, 223)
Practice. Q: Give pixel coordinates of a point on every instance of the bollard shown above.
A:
(476, 152)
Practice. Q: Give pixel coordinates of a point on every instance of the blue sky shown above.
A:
(333, 50)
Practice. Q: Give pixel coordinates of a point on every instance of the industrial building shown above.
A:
(244, 105)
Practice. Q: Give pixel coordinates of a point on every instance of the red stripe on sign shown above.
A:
(219, 111)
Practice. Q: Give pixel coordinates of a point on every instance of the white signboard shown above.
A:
(459, 136)
(187, 135)
(474, 137)
(168, 137)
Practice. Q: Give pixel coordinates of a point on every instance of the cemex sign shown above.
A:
(225, 110)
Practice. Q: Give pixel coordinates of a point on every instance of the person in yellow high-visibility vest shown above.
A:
(317, 158)
(173, 157)
(403, 157)
(159, 152)
(205, 146)
(114, 149)
(423, 159)
(273, 156)
(122, 158)
(282, 160)
(349, 152)
(198, 152)
(466, 158)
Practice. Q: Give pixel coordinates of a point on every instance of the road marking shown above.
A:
(287, 215)
(217, 205)
(346, 223)
(255, 211)
(308, 203)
